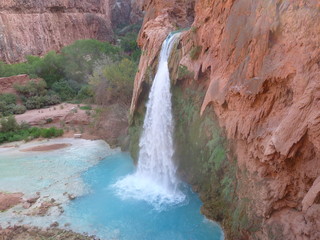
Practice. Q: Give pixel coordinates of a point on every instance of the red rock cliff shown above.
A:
(262, 59)
(35, 27)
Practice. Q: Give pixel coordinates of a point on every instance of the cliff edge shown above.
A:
(34, 27)
(259, 63)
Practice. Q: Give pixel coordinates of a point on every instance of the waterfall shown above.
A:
(155, 179)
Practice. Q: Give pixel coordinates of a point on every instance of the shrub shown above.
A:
(128, 43)
(51, 99)
(19, 109)
(7, 103)
(120, 77)
(37, 102)
(32, 89)
(51, 68)
(85, 92)
(9, 124)
(64, 90)
(11, 131)
(8, 98)
(79, 58)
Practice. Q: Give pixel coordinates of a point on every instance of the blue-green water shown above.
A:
(89, 170)
(103, 213)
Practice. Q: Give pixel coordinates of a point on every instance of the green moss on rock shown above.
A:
(204, 161)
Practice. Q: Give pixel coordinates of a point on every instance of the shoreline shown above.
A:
(30, 232)
(45, 148)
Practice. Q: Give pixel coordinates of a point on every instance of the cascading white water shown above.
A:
(155, 179)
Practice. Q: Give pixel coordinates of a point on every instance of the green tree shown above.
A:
(8, 124)
(79, 58)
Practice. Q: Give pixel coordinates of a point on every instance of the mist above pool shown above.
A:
(104, 213)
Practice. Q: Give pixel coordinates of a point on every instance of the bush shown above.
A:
(51, 99)
(8, 124)
(32, 89)
(37, 102)
(8, 98)
(19, 109)
(11, 131)
(79, 58)
(7, 102)
(85, 93)
(50, 67)
(64, 90)
(8, 105)
(120, 77)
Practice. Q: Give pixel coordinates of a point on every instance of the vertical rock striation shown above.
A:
(36, 27)
(259, 61)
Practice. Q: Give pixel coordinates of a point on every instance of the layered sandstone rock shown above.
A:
(30, 27)
(260, 62)
(161, 17)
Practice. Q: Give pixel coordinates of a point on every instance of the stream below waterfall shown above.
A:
(112, 217)
(94, 189)
(89, 171)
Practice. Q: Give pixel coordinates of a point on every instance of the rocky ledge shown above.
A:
(33, 233)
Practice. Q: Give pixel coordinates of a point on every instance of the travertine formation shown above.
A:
(260, 62)
(33, 27)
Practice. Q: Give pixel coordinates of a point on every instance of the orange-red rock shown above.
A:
(33, 27)
(8, 200)
(262, 59)
(7, 83)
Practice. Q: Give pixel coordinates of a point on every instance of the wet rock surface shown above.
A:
(259, 63)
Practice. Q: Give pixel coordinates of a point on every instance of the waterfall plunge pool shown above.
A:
(98, 209)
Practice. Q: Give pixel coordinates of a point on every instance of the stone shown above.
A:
(8, 200)
(259, 64)
(54, 224)
(33, 199)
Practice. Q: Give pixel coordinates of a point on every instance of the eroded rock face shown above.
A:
(260, 62)
(30, 27)
(161, 17)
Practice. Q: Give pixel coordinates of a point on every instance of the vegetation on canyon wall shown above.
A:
(82, 72)
(203, 155)
(200, 143)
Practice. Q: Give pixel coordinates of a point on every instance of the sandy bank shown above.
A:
(46, 147)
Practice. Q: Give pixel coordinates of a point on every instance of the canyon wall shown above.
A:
(34, 27)
(258, 63)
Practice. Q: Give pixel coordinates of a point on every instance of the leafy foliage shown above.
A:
(79, 58)
(32, 89)
(64, 89)
(11, 131)
(66, 75)
(115, 81)
(8, 105)
(34, 95)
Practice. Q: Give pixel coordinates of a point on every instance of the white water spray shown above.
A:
(155, 179)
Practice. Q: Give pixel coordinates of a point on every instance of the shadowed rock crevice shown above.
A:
(263, 86)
